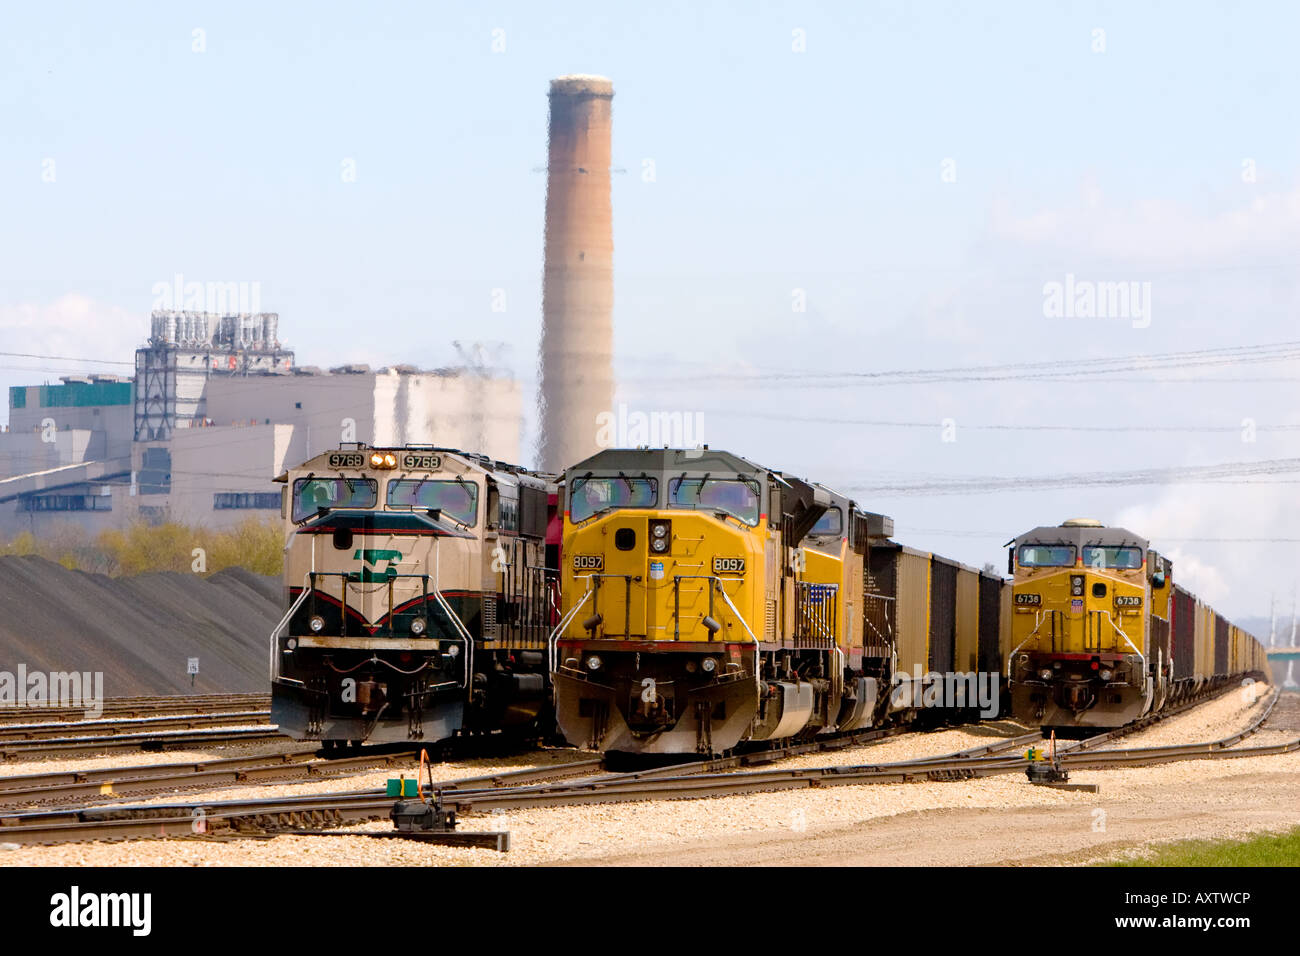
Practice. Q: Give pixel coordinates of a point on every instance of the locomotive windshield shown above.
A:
(312, 494)
(1123, 559)
(737, 497)
(829, 523)
(455, 499)
(591, 496)
(1046, 555)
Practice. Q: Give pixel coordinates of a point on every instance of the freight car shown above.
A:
(1102, 635)
(419, 600)
(936, 619)
(710, 601)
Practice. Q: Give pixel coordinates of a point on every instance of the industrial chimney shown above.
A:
(577, 376)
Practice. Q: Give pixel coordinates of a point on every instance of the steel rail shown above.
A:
(165, 740)
(117, 726)
(127, 707)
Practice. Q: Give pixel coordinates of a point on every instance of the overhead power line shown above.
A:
(1259, 472)
(1065, 369)
(935, 425)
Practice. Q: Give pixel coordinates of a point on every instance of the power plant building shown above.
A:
(216, 409)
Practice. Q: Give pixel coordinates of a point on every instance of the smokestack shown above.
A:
(577, 376)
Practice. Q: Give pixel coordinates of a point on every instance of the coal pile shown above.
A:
(139, 631)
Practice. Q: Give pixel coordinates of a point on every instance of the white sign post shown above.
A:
(192, 668)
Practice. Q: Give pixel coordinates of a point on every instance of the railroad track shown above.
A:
(150, 741)
(127, 707)
(198, 819)
(38, 789)
(951, 767)
(287, 767)
(11, 733)
(261, 815)
(539, 787)
(175, 819)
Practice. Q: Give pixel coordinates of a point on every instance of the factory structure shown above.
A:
(576, 365)
(216, 409)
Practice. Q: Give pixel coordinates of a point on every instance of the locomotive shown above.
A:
(1102, 636)
(419, 600)
(710, 601)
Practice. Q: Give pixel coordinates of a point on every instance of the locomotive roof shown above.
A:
(1082, 536)
(476, 461)
(667, 461)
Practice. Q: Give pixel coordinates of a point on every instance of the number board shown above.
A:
(728, 565)
(589, 562)
(421, 462)
(347, 459)
(1128, 600)
(1029, 600)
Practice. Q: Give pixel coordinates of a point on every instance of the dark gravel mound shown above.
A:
(139, 631)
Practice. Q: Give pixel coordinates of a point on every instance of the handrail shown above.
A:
(455, 620)
(743, 623)
(1120, 631)
(284, 622)
(564, 622)
(1038, 624)
(1012, 656)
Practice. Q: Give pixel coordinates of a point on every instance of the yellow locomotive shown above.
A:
(419, 602)
(709, 601)
(1101, 635)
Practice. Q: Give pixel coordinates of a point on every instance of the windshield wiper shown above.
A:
(723, 515)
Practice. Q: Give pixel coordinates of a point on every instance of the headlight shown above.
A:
(660, 531)
(593, 663)
(317, 623)
(659, 544)
(1105, 674)
(453, 651)
(1045, 674)
(390, 460)
(291, 643)
(417, 626)
(709, 664)
(376, 460)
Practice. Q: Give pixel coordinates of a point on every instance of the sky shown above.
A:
(805, 195)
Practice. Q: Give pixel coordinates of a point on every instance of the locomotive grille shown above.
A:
(489, 616)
